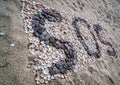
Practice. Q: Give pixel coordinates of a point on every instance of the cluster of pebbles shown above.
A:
(60, 46)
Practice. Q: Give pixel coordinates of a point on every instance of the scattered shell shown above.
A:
(12, 45)
(2, 33)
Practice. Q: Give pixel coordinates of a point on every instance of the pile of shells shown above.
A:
(60, 49)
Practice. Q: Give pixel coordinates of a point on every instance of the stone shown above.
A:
(61, 66)
(111, 53)
(73, 56)
(66, 46)
(52, 39)
(47, 37)
(59, 44)
(2, 33)
(12, 45)
(46, 42)
(42, 22)
(51, 71)
(40, 31)
(44, 33)
(42, 37)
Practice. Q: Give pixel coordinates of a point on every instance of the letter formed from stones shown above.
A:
(98, 29)
(82, 41)
(40, 32)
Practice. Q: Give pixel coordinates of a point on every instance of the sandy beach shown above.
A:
(14, 52)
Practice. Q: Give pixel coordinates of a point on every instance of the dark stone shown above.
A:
(59, 44)
(55, 45)
(51, 15)
(52, 39)
(51, 71)
(42, 22)
(74, 61)
(40, 16)
(41, 30)
(66, 46)
(73, 48)
(44, 33)
(61, 66)
(96, 55)
(97, 28)
(72, 56)
(46, 42)
(66, 51)
(111, 53)
(36, 18)
(36, 34)
(42, 37)
(47, 37)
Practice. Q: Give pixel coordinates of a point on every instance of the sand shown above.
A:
(14, 59)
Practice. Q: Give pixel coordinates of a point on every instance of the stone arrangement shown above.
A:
(61, 45)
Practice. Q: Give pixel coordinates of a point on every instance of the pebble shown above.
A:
(12, 45)
(2, 33)
(47, 36)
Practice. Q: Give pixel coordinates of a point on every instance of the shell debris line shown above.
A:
(61, 45)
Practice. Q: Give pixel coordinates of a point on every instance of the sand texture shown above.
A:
(15, 54)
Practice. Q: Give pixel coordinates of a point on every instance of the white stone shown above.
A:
(12, 44)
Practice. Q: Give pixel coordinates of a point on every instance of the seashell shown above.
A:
(45, 67)
(39, 67)
(75, 70)
(12, 45)
(45, 77)
(61, 76)
(36, 68)
(32, 51)
(42, 80)
(48, 77)
(53, 56)
(52, 77)
(33, 71)
(42, 63)
(46, 71)
(65, 76)
(37, 78)
(35, 59)
(46, 81)
(37, 82)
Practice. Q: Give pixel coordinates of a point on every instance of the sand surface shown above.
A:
(14, 59)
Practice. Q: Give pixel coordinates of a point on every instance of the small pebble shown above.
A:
(2, 33)
(12, 45)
